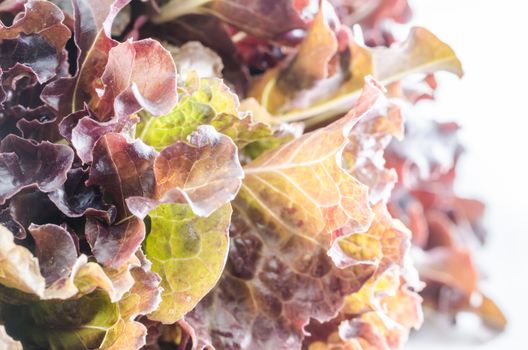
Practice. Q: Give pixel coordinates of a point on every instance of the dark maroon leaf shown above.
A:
(24, 164)
(35, 39)
(18, 82)
(33, 207)
(75, 199)
(9, 222)
(55, 250)
(83, 130)
(113, 245)
(32, 51)
(22, 112)
(70, 121)
(37, 124)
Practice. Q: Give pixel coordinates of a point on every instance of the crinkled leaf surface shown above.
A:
(31, 206)
(302, 185)
(363, 155)
(271, 288)
(86, 131)
(138, 74)
(278, 273)
(381, 314)
(210, 103)
(210, 100)
(75, 199)
(93, 22)
(84, 322)
(204, 173)
(180, 173)
(143, 297)
(312, 249)
(35, 39)
(21, 270)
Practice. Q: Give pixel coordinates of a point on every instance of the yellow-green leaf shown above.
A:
(210, 102)
(189, 253)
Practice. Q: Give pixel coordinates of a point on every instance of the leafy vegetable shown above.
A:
(422, 52)
(189, 253)
(183, 174)
(426, 201)
(154, 192)
(209, 101)
(260, 18)
(25, 164)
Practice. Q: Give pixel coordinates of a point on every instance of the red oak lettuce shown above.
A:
(218, 173)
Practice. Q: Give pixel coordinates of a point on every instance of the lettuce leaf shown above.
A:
(189, 253)
(426, 201)
(147, 201)
(271, 21)
(210, 102)
(280, 274)
(21, 168)
(422, 52)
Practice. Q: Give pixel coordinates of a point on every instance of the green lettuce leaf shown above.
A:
(61, 324)
(189, 253)
(204, 101)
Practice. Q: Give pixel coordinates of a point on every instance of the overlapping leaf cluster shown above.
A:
(446, 228)
(157, 189)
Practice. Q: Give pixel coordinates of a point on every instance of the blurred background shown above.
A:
(490, 38)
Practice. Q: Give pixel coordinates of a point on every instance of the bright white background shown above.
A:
(491, 103)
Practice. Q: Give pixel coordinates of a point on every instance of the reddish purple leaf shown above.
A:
(75, 199)
(204, 173)
(139, 74)
(25, 164)
(55, 250)
(36, 39)
(123, 169)
(113, 245)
